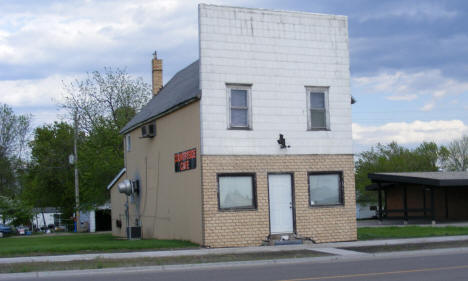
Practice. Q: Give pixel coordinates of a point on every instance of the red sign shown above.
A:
(186, 160)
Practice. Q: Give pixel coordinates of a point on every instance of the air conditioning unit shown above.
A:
(134, 232)
(148, 130)
(151, 130)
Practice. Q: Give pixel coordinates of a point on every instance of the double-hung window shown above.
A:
(239, 106)
(236, 191)
(325, 188)
(317, 105)
(128, 142)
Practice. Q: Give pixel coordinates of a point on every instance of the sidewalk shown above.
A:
(412, 222)
(330, 248)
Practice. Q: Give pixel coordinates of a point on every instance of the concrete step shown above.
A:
(283, 239)
(287, 242)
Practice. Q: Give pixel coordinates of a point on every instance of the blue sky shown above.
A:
(409, 59)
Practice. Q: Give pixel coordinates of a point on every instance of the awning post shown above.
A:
(432, 206)
(446, 203)
(380, 201)
(424, 201)
(405, 205)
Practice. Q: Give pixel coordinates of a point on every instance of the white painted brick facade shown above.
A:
(279, 53)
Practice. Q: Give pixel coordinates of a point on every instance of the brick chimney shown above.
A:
(157, 74)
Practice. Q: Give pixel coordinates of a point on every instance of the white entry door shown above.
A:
(281, 206)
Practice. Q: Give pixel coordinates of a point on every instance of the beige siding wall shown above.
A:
(169, 204)
(118, 209)
(250, 227)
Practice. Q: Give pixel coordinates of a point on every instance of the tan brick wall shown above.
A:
(250, 227)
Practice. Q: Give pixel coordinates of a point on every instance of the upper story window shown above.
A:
(128, 142)
(317, 108)
(239, 106)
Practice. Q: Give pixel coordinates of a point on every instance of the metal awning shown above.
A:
(383, 182)
(438, 179)
(375, 186)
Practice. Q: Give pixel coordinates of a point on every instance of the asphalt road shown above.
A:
(435, 267)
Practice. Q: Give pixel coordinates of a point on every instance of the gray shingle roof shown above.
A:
(182, 89)
(425, 178)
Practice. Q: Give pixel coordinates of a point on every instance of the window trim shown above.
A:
(128, 143)
(318, 89)
(340, 188)
(248, 88)
(254, 192)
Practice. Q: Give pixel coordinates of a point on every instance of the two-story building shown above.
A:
(251, 140)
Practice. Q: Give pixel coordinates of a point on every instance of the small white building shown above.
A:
(44, 217)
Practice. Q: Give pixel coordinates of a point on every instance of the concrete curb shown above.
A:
(337, 259)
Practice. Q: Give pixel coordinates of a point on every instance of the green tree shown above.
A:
(113, 95)
(100, 159)
(16, 211)
(104, 103)
(49, 181)
(455, 156)
(392, 158)
(14, 131)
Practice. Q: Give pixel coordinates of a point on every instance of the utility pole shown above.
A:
(77, 188)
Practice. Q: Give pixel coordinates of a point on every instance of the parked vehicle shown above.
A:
(22, 230)
(5, 229)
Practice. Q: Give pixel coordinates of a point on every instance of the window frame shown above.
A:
(254, 192)
(248, 88)
(340, 188)
(318, 89)
(128, 143)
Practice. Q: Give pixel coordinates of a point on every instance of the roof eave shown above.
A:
(403, 179)
(119, 175)
(164, 113)
(376, 177)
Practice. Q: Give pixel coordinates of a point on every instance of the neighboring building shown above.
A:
(365, 211)
(43, 217)
(251, 140)
(437, 196)
(97, 219)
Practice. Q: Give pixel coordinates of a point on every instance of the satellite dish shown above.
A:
(129, 187)
(125, 187)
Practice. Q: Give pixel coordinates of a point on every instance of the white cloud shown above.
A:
(428, 106)
(413, 11)
(70, 29)
(403, 97)
(408, 86)
(407, 133)
(34, 92)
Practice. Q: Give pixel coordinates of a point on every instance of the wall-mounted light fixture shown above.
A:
(282, 142)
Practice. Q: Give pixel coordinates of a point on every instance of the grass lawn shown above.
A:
(388, 232)
(408, 247)
(81, 243)
(106, 263)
